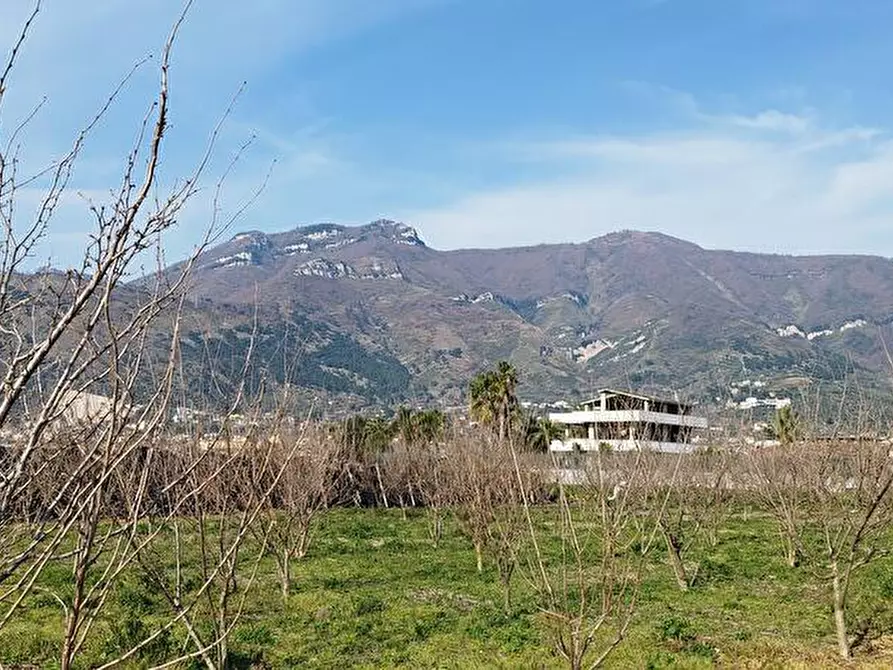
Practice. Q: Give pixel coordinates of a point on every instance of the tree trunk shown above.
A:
(402, 506)
(843, 641)
(506, 569)
(436, 528)
(713, 536)
(304, 540)
(674, 552)
(285, 574)
(384, 496)
(791, 541)
(576, 652)
(479, 554)
(222, 645)
(68, 645)
(73, 620)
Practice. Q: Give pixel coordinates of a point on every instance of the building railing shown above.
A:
(586, 444)
(628, 416)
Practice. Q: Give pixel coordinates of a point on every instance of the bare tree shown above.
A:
(479, 471)
(83, 394)
(205, 558)
(696, 500)
(604, 525)
(430, 469)
(831, 497)
(507, 533)
(401, 467)
(778, 480)
(308, 469)
(851, 486)
(719, 471)
(63, 336)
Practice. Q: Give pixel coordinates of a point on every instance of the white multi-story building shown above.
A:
(627, 421)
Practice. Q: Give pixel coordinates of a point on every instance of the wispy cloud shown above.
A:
(772, 181)
(774, 120)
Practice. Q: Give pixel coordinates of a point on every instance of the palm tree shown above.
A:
(538, 432)
(493, 399)
(353, 431)
(377, 435)
(507, 382)
(786, 425)
(429, 425)
(481, 392)
(424, 427)
(405, 425)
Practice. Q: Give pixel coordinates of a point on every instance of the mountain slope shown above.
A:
(630, 308)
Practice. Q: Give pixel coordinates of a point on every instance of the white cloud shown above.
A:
(774, 120)
(771, 182)
(776, 179)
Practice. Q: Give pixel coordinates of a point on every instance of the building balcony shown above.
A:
(583, 444)
(584, 417)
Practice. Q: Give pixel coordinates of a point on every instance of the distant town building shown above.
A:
(752, 403)
(627, 421)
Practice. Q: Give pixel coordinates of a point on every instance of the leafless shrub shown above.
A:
(481, 481)
(429, 470)
(399, 472)
(507, 533)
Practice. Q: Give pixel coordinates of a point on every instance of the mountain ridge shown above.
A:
(634, 308)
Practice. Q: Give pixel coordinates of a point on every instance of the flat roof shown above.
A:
(631, 394)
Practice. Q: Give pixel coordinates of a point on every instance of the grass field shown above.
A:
(373, 592)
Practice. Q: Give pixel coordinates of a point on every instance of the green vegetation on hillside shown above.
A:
(298, 351)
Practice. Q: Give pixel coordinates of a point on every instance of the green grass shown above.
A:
(374, 593)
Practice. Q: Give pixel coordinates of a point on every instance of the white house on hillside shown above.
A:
(627, 421)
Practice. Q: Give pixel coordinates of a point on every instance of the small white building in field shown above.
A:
(80, 407)
(627, 421)
(83, 407)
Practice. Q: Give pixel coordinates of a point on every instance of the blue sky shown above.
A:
(759, 125)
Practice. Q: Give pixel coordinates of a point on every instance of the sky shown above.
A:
(757, 125)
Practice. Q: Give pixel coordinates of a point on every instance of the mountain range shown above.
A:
(372, 315)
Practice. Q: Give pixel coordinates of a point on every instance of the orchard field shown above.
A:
(374, 592)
